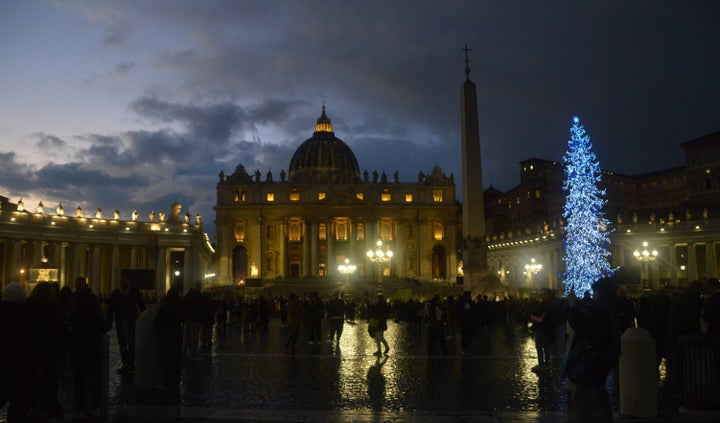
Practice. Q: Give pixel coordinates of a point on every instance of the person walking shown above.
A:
(315, 313)
(543, 326)
(124, 306)
(336, 317)
(379, 313)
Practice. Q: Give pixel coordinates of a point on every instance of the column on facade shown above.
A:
(115, 267)
(38, 253)
(162, 282)
(76, 253)
(307, 241)
(55, 251)
(370, 240)
(424, 234)
(190, 268)
(352, 233)
(257, 248)
(416, 254)
(226, 240)
(62, 263)
(709, 260)
(331, 265)
(672, 260)
(15, 261)
(133, 257)
(397, 264)
(313, 248)
(95, 275)
(692, 262)
(282, 249)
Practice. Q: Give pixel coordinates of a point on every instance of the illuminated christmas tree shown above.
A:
(587, 232)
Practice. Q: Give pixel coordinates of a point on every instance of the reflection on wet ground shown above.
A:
(254, 371)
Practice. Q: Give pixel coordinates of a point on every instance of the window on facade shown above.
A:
(408, 198)
(294, 194)
(341, 231)
(437, 196)
(538, 194)
(270, 196)
(438, 230)
(322, 232)
(321, 195)
(268, 264)
(240, 232)
(239, 195)
(385, 196)
(294, 231)
(517, 200)
(386, 231)
(360, 232)
(360, 195)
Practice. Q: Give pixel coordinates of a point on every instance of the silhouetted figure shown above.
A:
(88, 327)
(294, 317)
(711, 314)
(15, 360)
(466, 319)
(434, 322)
(168, 323)
(124, 306)
(379, 311)
(597, 326)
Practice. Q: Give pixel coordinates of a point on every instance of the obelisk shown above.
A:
(473, 203)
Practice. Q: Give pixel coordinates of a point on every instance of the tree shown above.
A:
(587, 232)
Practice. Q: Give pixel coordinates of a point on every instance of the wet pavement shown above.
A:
(251, 377)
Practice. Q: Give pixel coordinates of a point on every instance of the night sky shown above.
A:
(138, 104)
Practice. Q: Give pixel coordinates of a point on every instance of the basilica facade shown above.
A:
(323, 212)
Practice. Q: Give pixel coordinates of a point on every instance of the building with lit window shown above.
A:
(45, 244)
(305, 223)
(676, 211)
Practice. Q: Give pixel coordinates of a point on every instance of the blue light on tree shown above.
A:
(587, 232)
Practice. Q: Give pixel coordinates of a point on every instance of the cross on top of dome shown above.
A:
(323, 122)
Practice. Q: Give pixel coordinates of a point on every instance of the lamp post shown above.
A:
(532, 269)
(646, 256)
(347, 269)
(380, 257)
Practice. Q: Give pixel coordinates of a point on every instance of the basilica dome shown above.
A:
(324, 158)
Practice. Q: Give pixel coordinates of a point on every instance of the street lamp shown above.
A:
(532, 269)
(347, 269)
(380, 257)
(646, 256)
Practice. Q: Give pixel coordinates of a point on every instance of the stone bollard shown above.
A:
(147, 368)
(638, 375)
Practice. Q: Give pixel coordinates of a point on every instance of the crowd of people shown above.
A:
(46, 333)
(55, 330)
